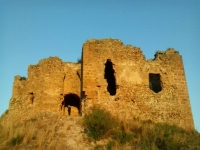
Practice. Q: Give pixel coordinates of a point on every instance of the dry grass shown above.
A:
(41, 137)
(33, 133)
(61, 134)
(68, 127)
(30, 132)
(61, 146)
(50, 132)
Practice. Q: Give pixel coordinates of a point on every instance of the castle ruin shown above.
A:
(112, 75)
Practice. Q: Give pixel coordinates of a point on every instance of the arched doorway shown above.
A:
(72, 99)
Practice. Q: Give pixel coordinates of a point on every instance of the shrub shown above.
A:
(22, 78)
(110, 145)
(140, 134)
(6, 112)
(79, 60)
(16, 140)
(123, 137)
(33, 119)
(1, 128)
(99, 123)
(98, 147)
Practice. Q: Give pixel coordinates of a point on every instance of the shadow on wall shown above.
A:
(72, 100)
(31, 97)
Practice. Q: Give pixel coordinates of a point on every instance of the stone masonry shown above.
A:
(112, 75)
(120, 79)
(45, 88)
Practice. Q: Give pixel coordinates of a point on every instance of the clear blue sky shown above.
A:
(31, 30)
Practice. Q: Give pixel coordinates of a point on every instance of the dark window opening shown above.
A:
(71, 100)
(155, 82)
(109, 76)
(31, 96)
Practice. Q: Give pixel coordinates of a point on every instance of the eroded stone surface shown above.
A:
(45, 87)
(149, 89)
(168, 101)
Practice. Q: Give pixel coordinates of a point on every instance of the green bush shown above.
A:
(123, 137)
(169, 137)
(22, 78)
(79, 60)
(6, 112)
(110, 145)
(99, 123)
(138, 134)
(16, 140)
(1, 128)
(99, 147)
(33, 119)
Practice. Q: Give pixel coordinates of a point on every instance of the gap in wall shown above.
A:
(155, 82)
(110, 77)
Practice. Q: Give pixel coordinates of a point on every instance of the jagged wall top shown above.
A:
(149, 89)
(41, 90)
(51, 77)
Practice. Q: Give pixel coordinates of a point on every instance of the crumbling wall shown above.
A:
(45, 80)
(72, 78)
(17, 102)
(113, 75)
(42, 89)
(72, 87)
(148, 89)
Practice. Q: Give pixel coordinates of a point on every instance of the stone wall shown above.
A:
(120, 79)
(72, 78)
(42, 89)
(115, 76)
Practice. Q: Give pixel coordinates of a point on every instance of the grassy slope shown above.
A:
(136, 134)
(46, 131)
(50, 132)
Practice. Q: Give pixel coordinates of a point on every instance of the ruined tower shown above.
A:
(120, 79)
(112, 75)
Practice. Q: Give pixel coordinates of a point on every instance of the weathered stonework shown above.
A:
(45, 87)
(115, 76)
(133, 96)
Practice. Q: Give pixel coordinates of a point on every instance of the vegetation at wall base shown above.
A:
(99, 123)
(138, 134)
(16, 140)
(35, 133)
(102, 131)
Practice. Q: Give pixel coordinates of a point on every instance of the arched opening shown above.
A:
(71, 100)
(155, 82)
(109, 76)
